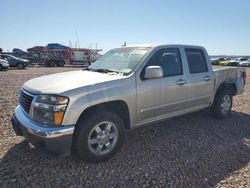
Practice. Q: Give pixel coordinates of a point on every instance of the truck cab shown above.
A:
(186, 82)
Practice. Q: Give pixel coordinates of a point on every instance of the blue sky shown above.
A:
(222, 26)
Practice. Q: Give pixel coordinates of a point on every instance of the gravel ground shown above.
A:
(195, 150)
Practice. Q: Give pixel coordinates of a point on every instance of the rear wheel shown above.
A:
(51, 64)
(222, 105)
(20, 66)
(98, 137)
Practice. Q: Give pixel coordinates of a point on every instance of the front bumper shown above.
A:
(55, 139)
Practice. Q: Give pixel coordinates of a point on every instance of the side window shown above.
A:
(196, 61)
(169, 59)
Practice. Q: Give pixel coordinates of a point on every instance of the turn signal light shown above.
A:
(58, 116)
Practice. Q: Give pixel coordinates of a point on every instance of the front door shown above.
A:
(159, 98)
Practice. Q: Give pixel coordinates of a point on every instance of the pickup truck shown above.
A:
(86, 113)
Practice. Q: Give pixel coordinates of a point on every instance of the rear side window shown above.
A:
(196, 61)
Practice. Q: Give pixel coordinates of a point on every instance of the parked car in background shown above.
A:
(87, 112)
(14, 61)
(216, 61)
(224, 63)
(4, 64)
(243, 59)
(237, 61)
(245, 63)
(233, 62)
(56, 46)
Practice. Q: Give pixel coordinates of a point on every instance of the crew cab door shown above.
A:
(158, 98)
(200, 78)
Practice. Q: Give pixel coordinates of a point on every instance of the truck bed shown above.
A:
(230, 75)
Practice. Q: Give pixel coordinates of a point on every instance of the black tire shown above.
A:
(217, 108)
(20, 66)
(1, 67)
(51, 64)
(81, 149)
(61, 64)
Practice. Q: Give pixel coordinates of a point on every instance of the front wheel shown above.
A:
(222, 104)
(99, 137)
(61, 64)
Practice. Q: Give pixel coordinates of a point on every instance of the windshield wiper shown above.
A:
(89, 69)
(102, 70)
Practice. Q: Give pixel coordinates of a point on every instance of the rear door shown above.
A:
(200, 78)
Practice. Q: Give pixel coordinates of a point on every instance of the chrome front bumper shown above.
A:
(55, 139)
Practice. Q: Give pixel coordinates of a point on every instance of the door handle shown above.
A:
(207, 78)
(181, 82)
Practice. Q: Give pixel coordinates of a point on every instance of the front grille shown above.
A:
(25, 100)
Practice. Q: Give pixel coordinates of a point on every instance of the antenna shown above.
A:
(77, 39)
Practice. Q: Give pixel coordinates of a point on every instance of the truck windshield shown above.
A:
(121, 60)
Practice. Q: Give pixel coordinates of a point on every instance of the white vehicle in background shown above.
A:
(245, 63)
(237, 61)
(4, 64)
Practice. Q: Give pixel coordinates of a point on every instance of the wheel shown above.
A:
(60, 64)
(51, 64)
(98, 137)
(1, 67)
(222, 104)
(20, 66)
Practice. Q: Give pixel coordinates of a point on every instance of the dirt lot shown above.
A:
(191, 151)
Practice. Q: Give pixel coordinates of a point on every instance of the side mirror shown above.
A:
(153, 72)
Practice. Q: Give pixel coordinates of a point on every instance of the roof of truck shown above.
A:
(141, 45)
(157, 45)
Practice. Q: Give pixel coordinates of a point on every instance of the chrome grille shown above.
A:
(25, 100)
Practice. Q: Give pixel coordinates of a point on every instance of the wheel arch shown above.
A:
(118, 106)
(231, 86)
(228, 85)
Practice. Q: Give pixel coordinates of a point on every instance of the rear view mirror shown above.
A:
(153, 72)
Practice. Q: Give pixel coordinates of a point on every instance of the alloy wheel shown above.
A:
(103, 138)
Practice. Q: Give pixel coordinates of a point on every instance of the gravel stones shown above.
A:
(195, 150)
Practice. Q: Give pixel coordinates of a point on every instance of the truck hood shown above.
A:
(65, 81)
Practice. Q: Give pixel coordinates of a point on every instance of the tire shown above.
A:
(92, 144)
(222, 104)
(20, 66)
(61, 64)
(1, 67)
(51, 64)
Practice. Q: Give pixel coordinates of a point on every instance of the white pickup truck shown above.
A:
(87, 112)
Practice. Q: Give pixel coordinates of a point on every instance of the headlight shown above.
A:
(49, 109)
